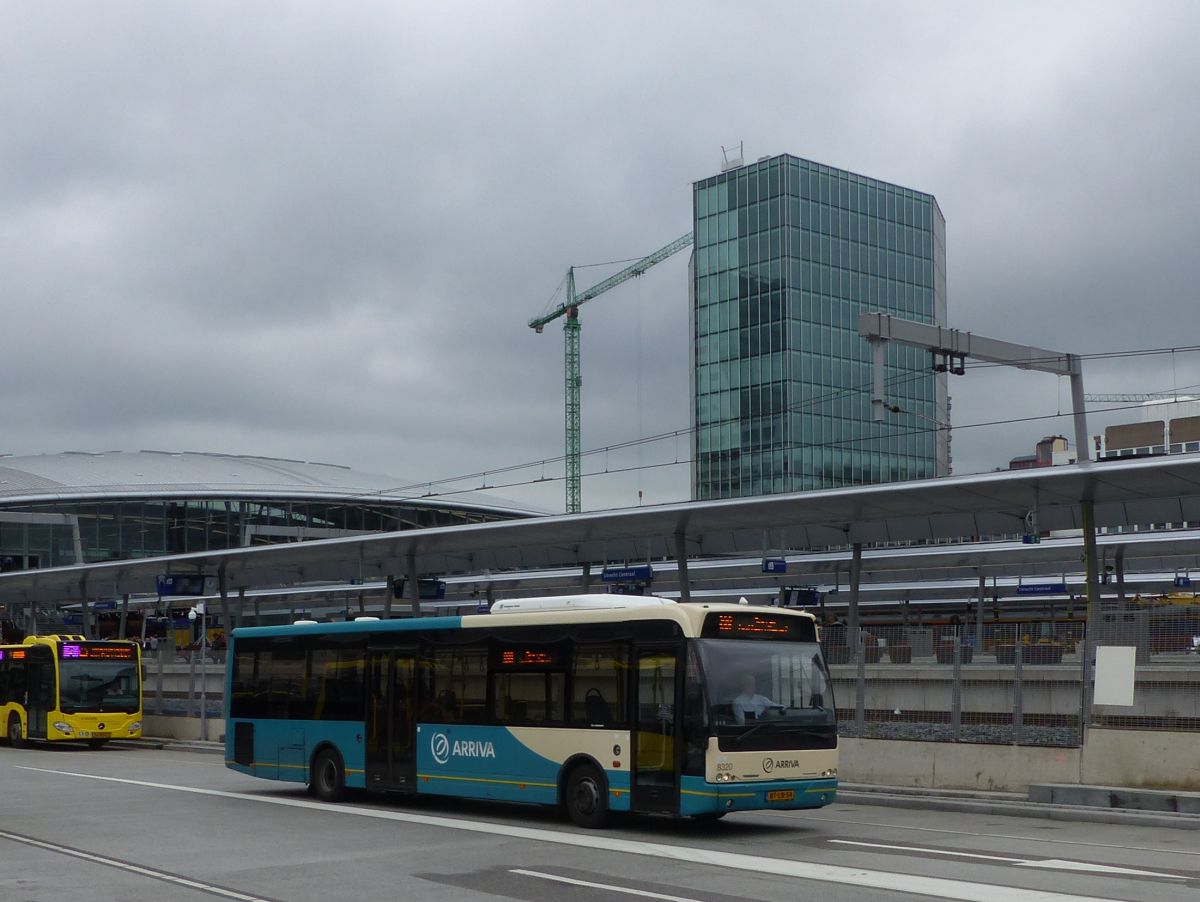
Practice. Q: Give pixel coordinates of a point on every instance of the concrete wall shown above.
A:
(1156, 759)
(155, 726)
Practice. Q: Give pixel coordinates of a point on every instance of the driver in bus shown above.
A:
(749, 703)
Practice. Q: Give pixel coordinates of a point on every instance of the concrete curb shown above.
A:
(981, 803)
(182, 745)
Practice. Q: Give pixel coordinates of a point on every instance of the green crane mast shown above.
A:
(574, 379)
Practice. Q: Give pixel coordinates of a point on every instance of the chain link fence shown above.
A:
(1034, 682)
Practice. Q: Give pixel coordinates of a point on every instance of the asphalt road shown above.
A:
(79, 826)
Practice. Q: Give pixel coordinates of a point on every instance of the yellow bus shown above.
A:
(70, 688)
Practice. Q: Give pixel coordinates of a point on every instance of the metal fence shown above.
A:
(1038, 682)
(182, 683)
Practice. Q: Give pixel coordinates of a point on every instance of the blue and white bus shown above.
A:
(594, 703)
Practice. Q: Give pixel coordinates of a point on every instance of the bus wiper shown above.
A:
(786, 728)
(754, 729)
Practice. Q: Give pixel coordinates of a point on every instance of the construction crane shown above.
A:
(574, 379)
(1138, 398)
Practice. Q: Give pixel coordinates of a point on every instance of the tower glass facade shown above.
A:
(787, 254)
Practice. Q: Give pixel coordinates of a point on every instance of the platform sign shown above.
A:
(1042, 589)
(104, 606)
(427, 589)
(774, 565)
(170, 584)
(639, 573)
(1183, 582)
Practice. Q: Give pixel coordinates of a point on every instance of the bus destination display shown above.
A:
(526, 657)
(75, 651)
(755, 625)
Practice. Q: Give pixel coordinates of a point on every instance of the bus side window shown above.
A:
(598, 713)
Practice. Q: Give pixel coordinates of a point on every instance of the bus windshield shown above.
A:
(768, 695)
(88, 685)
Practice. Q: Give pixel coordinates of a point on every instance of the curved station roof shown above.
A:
(126, 475)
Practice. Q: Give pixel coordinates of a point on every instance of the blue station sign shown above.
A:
(1042, 589)
(639, 573)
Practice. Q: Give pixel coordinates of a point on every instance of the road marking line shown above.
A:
(606, 886)
(1053, 864)
(938, 887)
(812, 816)
(875, 845)
(133, 868)
(1058, 864)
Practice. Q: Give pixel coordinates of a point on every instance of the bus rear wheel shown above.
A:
(328, 781)
(15, 739)
(587, 797)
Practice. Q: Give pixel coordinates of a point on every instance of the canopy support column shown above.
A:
(681, 560)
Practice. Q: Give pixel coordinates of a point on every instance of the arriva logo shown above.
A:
(442, 748)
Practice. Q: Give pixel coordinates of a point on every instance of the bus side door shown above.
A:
(41, 694)
(391, 722)
(655, 777)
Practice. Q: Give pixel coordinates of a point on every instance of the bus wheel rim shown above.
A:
(587, 796)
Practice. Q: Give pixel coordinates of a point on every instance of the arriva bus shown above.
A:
(594, 703)
(70, 688)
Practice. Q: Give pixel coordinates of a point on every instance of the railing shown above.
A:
(1017, 688)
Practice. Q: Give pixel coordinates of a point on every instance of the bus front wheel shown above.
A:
(15, 739)
(328, 782)
(587, 797)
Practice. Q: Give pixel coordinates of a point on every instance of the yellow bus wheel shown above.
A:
(15, 739)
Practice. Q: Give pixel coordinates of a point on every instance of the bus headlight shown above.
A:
(62, 727)
(725, 777)
(829, 772)
(135, 726)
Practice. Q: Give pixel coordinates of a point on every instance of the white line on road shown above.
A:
(1052, 864)
(826, 819)
(938, 887)
(133, 868)
(607, 886)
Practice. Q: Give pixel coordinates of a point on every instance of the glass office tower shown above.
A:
(787, 254)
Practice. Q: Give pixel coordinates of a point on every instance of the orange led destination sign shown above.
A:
(526, 657)
(84, 651)
(755, 625)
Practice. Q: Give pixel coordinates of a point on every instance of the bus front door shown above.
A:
(655, 777)
(391, 700)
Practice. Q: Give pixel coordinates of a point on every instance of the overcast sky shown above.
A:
(318, 230)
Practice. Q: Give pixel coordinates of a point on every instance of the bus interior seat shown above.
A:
(596, 709)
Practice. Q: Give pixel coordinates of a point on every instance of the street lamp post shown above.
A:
(198, 610)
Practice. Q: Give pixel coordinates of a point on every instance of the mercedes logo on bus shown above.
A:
(440, 746)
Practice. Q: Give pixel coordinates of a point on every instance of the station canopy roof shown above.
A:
(1141, 491)
(107, 476)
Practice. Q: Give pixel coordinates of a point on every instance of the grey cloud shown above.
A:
(318, 231)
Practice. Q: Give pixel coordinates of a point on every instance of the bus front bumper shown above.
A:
(699, 797)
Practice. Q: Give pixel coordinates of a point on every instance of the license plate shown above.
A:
(781, 795)
(101, 735)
